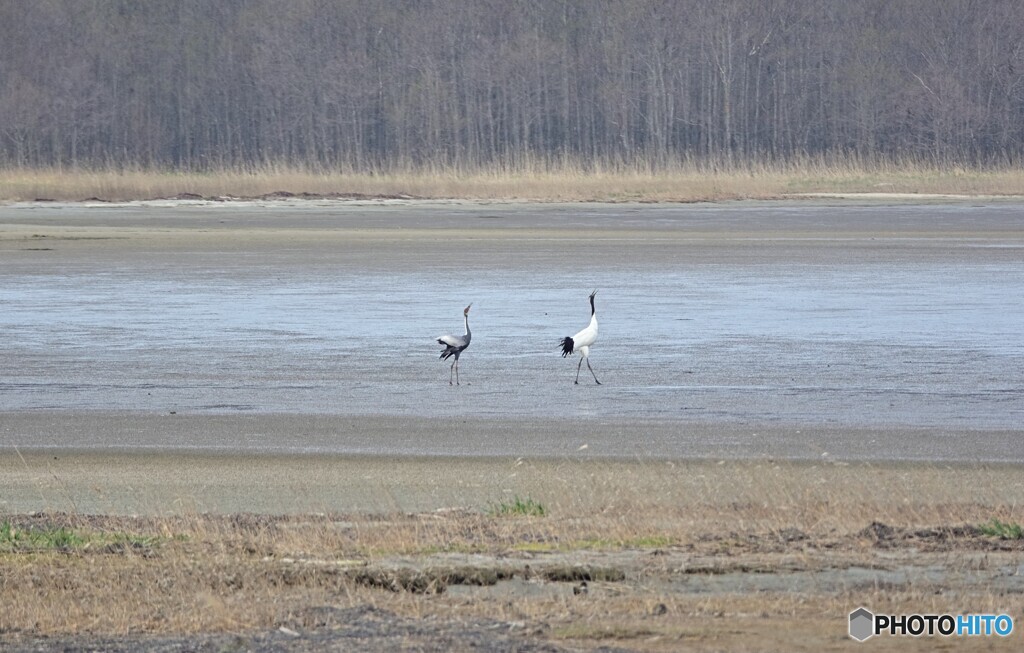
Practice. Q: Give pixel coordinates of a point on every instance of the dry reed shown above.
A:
(567, 182)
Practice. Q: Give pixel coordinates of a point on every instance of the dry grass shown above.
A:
(198, 573)
(560, 183)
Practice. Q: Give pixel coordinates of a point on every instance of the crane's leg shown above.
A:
(451, 371)
(457, 371)
(592, 372)
(578, 366)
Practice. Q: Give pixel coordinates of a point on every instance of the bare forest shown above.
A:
(355, 85)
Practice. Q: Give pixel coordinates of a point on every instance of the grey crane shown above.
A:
(454, 346)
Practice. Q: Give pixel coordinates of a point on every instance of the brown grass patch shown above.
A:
(605, 565)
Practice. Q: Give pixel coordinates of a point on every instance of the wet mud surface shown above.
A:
(323, 629)
(739, 317)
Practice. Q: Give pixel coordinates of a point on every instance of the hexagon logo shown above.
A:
(862, 624)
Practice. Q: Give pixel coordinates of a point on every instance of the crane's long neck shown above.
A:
(465, 316)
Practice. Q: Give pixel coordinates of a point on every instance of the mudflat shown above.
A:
(861, 330)
(223, 425)
(402, 234)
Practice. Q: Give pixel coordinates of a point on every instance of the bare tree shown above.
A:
(331, 84)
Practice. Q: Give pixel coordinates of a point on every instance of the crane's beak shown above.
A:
(466, 312)
(592, 294)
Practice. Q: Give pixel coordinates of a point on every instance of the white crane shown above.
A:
(581, 343)
(454, 346)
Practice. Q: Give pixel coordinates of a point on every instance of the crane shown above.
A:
(581, 343)
(454, 346)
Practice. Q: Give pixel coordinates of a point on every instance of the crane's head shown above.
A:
(592, 309)
(592, 295)
(466, 310)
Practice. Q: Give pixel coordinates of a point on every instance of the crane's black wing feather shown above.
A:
(567, 346)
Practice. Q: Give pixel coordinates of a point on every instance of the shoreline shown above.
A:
(467, 437)
(287, 198)
(150, 483)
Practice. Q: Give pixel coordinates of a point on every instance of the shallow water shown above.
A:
(772, 319)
